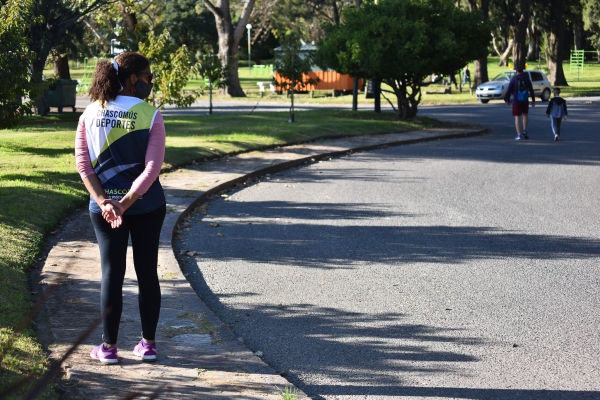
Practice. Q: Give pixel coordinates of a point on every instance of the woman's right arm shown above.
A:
(155, 155)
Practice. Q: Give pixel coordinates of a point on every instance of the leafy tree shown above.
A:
(557, 19)
(480, 73)
(404, 41)
(292, 68)
(591, 22)
(577, 22)
(65, 48)
(171, 67)
(126, 21)
(191, 24)
(229, 38)
(305, 17)
(513, 16)
(520, 47)
(15, 60)
(210, 68)
(553, 18)
(48, 22)
(534, 35)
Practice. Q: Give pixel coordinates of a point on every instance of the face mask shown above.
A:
(142, 89)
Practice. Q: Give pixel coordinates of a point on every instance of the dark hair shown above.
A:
(556, 90)
(107, 82)
(519, 70)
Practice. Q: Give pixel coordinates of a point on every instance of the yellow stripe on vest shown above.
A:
(137, 118)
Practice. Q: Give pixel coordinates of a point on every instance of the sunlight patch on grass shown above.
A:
(24, 357)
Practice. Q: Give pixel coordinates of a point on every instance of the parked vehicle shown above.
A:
(496, 88)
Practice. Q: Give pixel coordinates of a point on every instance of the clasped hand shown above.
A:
(112, 212)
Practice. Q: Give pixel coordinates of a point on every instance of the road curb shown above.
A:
(212, 363)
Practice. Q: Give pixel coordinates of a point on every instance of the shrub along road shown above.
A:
(449, 269)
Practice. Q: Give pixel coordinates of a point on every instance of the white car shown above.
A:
(496, 88)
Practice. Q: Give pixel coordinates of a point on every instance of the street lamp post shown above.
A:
(249, 27)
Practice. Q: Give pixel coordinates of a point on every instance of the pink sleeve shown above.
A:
(155, 155)
(82, 154)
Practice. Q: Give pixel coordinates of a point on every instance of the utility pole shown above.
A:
(249, 27)
(293, 84)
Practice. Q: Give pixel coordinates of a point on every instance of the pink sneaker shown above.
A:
(106, 356)
(145, 350)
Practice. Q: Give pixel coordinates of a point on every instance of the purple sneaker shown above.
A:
(106, 356)
(145, 350)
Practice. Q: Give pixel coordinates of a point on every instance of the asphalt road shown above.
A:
(464, 268)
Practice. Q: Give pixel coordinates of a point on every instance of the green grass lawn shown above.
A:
(580, 84)
(39, 185)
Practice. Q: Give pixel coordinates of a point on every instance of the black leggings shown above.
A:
(145, 233)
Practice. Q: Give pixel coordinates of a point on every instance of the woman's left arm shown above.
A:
(110, 212)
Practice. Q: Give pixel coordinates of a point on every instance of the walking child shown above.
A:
(557, 111)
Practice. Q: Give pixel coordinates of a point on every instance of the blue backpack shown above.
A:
(522, 92)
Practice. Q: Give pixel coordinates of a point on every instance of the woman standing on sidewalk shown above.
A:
(119, 150)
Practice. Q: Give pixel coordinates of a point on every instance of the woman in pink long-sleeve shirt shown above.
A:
(119, 149)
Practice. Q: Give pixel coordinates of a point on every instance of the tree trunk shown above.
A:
(46, 34)
(336, 12)
(400, 92)
(229, 40)
(520, 30)
(504, 40)
(557, 45)
(61, 67)
(407, 104)
(533, 51)
(129, 19)
(503, 56)
(40, 103)
(228, 54)
(377, 93)
(556, 74)
(210, 106)
(480, 73)
(40, 46)
(578, 32)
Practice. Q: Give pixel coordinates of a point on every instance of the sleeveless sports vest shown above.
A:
(117, 138)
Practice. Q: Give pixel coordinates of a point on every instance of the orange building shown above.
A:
(327, 80)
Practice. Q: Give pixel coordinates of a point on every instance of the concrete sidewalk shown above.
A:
(198, 355)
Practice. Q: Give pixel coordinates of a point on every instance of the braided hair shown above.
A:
(108, 82)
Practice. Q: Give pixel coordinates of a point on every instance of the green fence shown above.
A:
(89, 66)
(262, 70)
(577, 60)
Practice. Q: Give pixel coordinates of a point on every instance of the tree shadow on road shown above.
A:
(285, 233)
(375, 354)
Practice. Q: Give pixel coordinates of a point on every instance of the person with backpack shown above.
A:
(519, 89)
(557, 110)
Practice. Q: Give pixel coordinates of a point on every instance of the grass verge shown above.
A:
(586, 83)
(39, 185)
